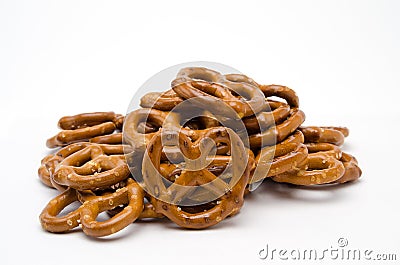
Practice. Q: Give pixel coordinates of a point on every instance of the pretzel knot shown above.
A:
(222, 195)
(211, 87)
(285, 156)
(279, 132)
(131, 195)
(320, 169)
(93, 167)
(165, 101)
(50, 162)
(83, 127)
(333, 135)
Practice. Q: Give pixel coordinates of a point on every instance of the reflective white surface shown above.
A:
(63, 58)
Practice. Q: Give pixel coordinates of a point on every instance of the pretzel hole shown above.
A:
(103, 216)
(202, 76)
(275, 98)
(199, 208)
(243, 96)
(147, 127)
(69, 208)
(197, 123)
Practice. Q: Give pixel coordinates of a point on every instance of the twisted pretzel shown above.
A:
(281, 91)
(165, 101)
(333, 135)
(49, 218)
(321, 169)
(86, 214)
(138, 139)
(115, 138)
(279, 132)
(329, 149)
(106, 166)
(275, 114)
(285, 156)
(84, 126)
(210, 87)
(352, 171)
(132, 195)
(50, 162)
(231, 200)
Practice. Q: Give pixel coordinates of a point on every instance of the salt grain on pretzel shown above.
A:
(94, 167)
(321, 169)
(132, 195)
(83, 127)
(165, 101)
(49, 218)
(279, 132)
(315, 134)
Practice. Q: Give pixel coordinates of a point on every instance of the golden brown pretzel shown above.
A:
(281, 91)
(210, 93)
(94, 167)
(329, 149)
(165, 101)
(333, 135)
(279, 132)
(85, 126)
(50, 162)
(90, 119)
(238, 91)
(274, 113)
(138, 138)
(321, 169)
(285, 156)
(343, 130)
(231, 200)
(115, 138)
(46, 169)
(49, 218)
(132, 195)
(352, 171)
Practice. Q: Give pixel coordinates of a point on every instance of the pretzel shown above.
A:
(90, 119)
(50, 162)
(321, 169)
(86, 214)
(115, 138)
(210, 87)
(188, 179)
(344, 130)
(106, 166)
(132, 195)
(279, 132)
(281, 91)
(333, 135)
(139, 139)
(207, 214)
(83, 127)
(45, 170)
(49, 218)
(274, 113)
(271, 161)
(329, 149)
(165, 101)
(186, 150)
(352, 171)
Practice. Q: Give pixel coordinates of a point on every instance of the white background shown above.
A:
(66, 57)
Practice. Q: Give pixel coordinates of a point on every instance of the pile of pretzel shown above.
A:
(146, 165)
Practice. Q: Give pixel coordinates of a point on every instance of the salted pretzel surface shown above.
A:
(190, 154)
